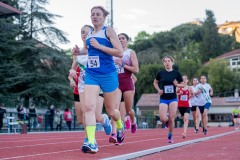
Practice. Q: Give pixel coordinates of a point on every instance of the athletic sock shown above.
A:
(119, 124)
(169, 135)
(91, 133)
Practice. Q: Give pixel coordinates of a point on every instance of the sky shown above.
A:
(133, 16)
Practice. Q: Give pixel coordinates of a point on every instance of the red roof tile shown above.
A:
(151, 100)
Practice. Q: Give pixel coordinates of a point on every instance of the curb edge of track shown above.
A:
(164, 148)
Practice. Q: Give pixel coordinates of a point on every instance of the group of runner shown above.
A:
(176, 94)
(103, 71)
(105, 75)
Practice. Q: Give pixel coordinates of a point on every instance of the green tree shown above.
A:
(38, 23)
(31, 70)
(210, 45)
(221, 78)
(145, 78)
(186, 70)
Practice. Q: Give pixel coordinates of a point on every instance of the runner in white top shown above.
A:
(204, 91)
(194, 101)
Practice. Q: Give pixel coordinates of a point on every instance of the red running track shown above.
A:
(67, 145)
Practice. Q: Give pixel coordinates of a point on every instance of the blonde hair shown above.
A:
(105, 12)
(170, 57)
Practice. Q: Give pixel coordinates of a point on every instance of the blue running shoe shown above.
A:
(120, 135)
(107, 125)
(85, 141)
(90, 148)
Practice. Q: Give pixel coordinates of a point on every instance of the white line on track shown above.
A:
(131, 155)
(163, 148)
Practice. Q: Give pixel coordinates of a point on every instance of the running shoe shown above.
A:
(195, 130)
(120, 135)
(107, 125)
(205, 132)
(113, 138)
(118, 144)
(184, 135)
(128, 122)
(85, 141)
(170, 140)
(166, 124)
(89, 148)
(134, 128)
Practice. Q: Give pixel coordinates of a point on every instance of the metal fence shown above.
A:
(43, 124)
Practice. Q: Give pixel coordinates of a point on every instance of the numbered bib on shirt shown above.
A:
(119, 68)
(183, 98)
(93, 62)
(169, 89)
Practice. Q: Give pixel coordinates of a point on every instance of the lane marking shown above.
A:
(110, 145)
(163, 148)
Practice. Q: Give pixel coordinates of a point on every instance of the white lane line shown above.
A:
(110, 145)
(163, 148)
(47, 153)
(66, 138)
(80, 140)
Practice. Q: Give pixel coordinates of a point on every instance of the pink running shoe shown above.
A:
(134, 128)
(113, 138)
(170, 140)
(128, 122)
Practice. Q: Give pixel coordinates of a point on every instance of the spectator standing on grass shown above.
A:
(2, 111)
(68, 118)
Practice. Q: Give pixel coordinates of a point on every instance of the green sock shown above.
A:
(119, 124)
(91, 133)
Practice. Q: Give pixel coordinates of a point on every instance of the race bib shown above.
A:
(119, 68)
(183, 98)
(169, 89)
(82, 74)
(93, 62)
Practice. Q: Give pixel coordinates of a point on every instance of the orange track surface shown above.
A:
(66, 145)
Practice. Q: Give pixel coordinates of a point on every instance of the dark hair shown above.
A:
(203, 76)
(105, 12)
(66, 110)
(88, 26)
(125, 35)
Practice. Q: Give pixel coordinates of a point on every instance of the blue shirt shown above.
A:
(99, 62)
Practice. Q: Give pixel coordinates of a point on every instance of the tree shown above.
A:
(145, 79)
(31, 70)
(142, 36)
(210, 44)
(186, 70)
(38, 23)
(221, 78)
